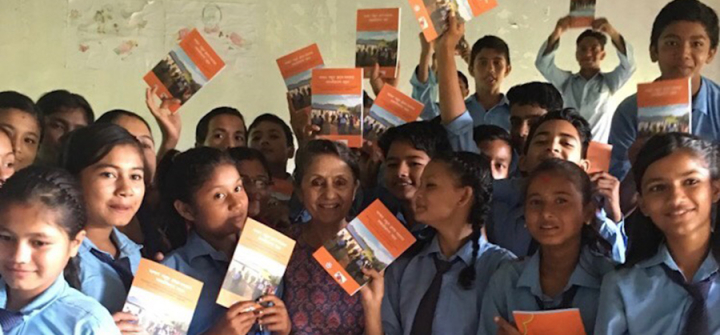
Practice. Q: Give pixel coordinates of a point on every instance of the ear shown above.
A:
(710, 58)
(602, 55)
(584, 164)
(291, 152)
(715, 187)
(589, 212)
(466, 197)
(641, 204)
(184, 210)
(509, 69)
(355, 189)
(77, 242)
(654, 54)
(470, 67)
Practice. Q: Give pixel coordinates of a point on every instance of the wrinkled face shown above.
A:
(522, 118)
(500, 155)
(439, 196)
(24, 132)
(61, 123)
(682, 50)
(225, 131)
(257, 185)
(7, 158)
(269, 138)
(114, 187)
(590, 53)
(33, 248)
(555, 211)
(138, 129)
(489, 68)
(677, 194)
(328, 189)
(554, 139)
(404, 166)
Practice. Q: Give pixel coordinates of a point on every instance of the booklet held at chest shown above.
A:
(162, 299)
(664, 106)
(296, 69)
(258, 264)
(562, 321)
(185, 70)
(337, 104)
(374, 239)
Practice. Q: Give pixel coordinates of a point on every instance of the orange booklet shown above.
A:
(374, 238)
(582, 13)
(378, 40)
(391, 109)
(562, 321)
(432, 14)
(599, 156)
(337, 104)
(296, 69)
(664, 106)
(162, 299)
(258, 264)
(185, 70)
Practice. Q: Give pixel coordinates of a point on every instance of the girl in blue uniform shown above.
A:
(671, 283)
(42, 216)
(568, 269)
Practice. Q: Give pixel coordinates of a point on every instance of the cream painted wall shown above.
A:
(32, 51)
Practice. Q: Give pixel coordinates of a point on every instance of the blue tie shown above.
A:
(9, 320)
(697, 319)
(121, 267)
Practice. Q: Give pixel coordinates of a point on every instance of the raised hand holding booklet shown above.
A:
(562, 321)
(162, 299)
(378, 40)
(258, 264)
(598, 155)
(432, 14)
(375, 238)
(296, 69)
(664, 106)
(391, 109)
(185, 70)
(582, 13)
(337, 104)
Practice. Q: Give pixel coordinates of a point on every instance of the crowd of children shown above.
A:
(494, 187)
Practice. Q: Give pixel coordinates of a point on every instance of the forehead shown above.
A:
(404, 150)
(134, 126)
(526, 111)
(123, 155)
(70, 115)
(495, 148)
(19, 119)
(590, 42)
(328, 164)
(676, 164)
(490, 54)
(685, 30)
(267, 126)
(551, 183)
(557, 128)
(30, 218)
(251, 167)
(226, 121)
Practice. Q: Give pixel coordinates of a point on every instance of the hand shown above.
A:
(373, 292)
(159, 257)
(604, 26)
(562, 25)
(607, 186)
(504, 327)
(276, 318)
(300, 123)
(377, 81)
(170, 123)
(450, 38)
(238, 319)
(462, 49)
(426, 48)
(127, 323)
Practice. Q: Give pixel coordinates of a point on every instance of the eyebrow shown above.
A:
(104, 166)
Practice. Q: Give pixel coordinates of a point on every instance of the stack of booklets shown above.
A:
(582, 13)
(664, 106)
(258, 264)
(390, 109)
(433, 14)
(296, 69)
(162, 299)
(337, 104)
(378, 40)
(185, 70)
(374, 239)
(561, 321)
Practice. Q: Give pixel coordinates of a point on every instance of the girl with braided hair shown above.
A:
(42, 221)
(436, 287)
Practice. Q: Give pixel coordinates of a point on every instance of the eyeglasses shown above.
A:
(260, 183)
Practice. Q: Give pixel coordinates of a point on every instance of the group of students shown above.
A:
(495, 190)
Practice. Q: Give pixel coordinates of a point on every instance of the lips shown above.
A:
(18, 272)
(329, 206)
(679, 213)
(120, 207)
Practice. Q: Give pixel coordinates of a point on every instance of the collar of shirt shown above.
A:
(700, 102)
(707, 268)
(125, 246)
(473, 101)
(509, 191)
(464, 253)
(198, 247)
(52, 293)
(582, 276)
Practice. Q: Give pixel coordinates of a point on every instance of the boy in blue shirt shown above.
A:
(221, 128)
(494, 143)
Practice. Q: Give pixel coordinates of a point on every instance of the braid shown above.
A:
(467, 275)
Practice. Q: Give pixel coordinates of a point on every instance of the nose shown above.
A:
(678, 196)
(524, 129)
(124, 187)
(22, 253)
(403, 170)
(238, 200)
(555, 147)
(5, 173)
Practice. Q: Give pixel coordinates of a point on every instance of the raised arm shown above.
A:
(622, 73)
(545, 61)
(452, 103)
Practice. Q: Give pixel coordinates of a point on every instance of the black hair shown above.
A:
(272, 118)
(56, 189)
(307, 154)
(488, 132)
(201, 130)
(575, 175)
(113, 115)
(686, 10)
(240, 154)
(543, 95)
(600, 37)
(471, 170)
(56, 101)
(19, 101)
(427, 136)
(646, 238)
(464, 79)
(573, 117)
(490, 42)
(86, 146)
(179, 177)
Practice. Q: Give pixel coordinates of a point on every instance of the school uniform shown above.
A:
(516, 287)
(460, 133)
(456, 311)
(427, 93)
(591, 97)
(198, 259)
(507, 229)
(705, 123)
(644, 299)
(60, 309)
(104, 277)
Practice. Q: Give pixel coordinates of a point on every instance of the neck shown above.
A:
(17, 299)
(589, 72)
(100, 236)
(452, 237)
(408, 213)
(557, 264)
(689, 252)
(225, 244)
(696, 83)
(317, 232)
(488, 97)
(278, 170)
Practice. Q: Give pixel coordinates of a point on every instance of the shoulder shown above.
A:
(177, 258)
(628, 106)
(494, 256)
(83, 314)
(508, 273)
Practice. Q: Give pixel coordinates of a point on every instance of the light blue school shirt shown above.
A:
(516, 286)
(507, 225)
(407, 280)
(705, 123)
(498, 115)
(98, 279)
(460, 134)
(643, 300)
(61, 309)
(591, 97)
